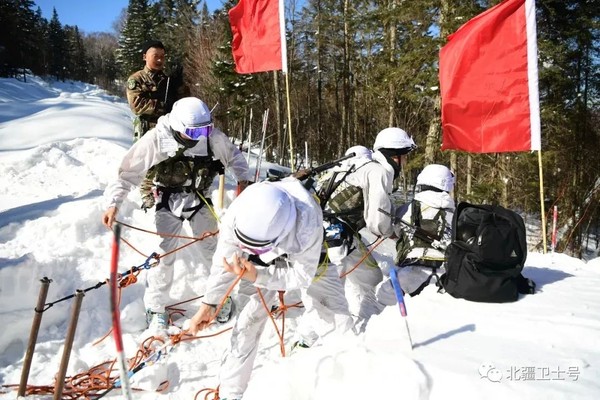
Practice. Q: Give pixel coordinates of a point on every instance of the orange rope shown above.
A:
(377, 243)
(163, 234)
(209, 391)
(99, 378)
(111, 328)
(279, 333)
(158, 233)
(171, 306)
(102, 377)
(129, 279)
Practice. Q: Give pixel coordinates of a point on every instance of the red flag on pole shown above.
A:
(489, 82)
(258, 35)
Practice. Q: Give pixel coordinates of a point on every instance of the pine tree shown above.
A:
(177, 20)
(58, 48)
(40, 53)
(77, 58)
(19, 36)
(569, 56)
(139, 27)
(100, 48)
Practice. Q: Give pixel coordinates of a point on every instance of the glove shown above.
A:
(302, 174)
(243, 185)
(176, 75)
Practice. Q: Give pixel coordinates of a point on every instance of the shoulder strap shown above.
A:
(441, 217)
(415, 213)
(333, 184)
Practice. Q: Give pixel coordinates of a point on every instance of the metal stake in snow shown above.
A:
(114, 306)
(400, 298)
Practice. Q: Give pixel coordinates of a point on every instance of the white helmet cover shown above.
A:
(393, 138)
(267, 213)
(359, 151)
(438, 176)
(189, 112)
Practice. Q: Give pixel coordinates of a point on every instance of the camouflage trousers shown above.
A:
(147, 190)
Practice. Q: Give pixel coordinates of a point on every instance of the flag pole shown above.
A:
(542, 207)
(284, 69)
(534, 101)
(289, 119)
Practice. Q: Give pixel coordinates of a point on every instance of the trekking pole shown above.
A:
(35, 328)
(64, 363)
(400, 298)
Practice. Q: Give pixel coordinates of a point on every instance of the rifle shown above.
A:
(327, 165)
(307, 174)
(417, 231)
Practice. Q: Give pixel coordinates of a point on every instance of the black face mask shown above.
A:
(388, 153)
(187, 143)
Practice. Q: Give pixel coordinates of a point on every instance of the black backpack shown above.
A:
(485, 259)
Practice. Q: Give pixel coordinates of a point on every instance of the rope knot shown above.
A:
(128, 280)
(176, 338)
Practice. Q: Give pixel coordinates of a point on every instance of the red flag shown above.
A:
(257, 36)
(489, 82)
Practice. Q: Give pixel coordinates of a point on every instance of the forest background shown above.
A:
(355, 67)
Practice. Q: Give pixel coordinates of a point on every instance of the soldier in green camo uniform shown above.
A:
(151, 94)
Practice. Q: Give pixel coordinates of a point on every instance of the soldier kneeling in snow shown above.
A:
(272, 234)
(423, 227)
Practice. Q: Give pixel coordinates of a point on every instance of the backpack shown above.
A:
(342, 201)
(485, 259)
(426, 265)
(426, 228)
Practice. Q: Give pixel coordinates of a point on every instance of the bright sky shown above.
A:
(92, 15)
(61, 143)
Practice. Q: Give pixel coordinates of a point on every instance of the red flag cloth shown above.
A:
(256, 29)
(489, 82)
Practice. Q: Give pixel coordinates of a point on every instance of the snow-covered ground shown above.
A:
(60, 144)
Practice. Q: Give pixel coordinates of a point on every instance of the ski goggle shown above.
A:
(196, 132)
(256, 247)
(255, 251)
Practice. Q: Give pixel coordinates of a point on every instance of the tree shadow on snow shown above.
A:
(34, 211)
(37, 210)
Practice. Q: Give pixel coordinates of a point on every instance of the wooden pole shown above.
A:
(64, 363)
(542, 207)
(289, 119)
(33, 334)
(221, 191)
